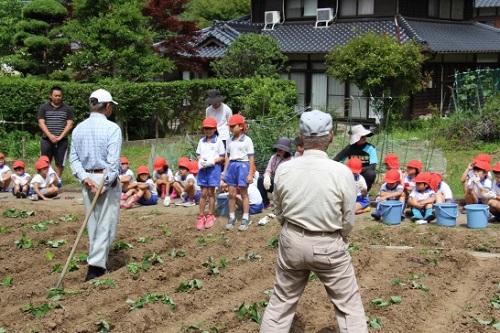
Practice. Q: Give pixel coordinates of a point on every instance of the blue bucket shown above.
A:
(446, 214)
(391, 211)
(477, 216)
(223, 204)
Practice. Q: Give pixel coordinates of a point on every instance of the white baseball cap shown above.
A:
(315, 123)
(102, 96)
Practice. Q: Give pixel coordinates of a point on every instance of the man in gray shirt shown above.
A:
(315, 230)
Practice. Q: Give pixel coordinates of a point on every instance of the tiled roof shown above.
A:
(305, 38)
(456, 37)
(487, 3)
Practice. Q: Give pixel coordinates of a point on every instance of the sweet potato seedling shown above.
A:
(151, 298)
(177, 253)
(11, 212)
(273, 243)
(56, 294)
(250, 256)
(148, 239)
(250, 311)
(106, 282)
(23, 243)
(4, 230)
(493, 323)
(6, 282)
(117, 246)
(40, 311)
(188, 285)
(103, 326)
(42, 226)
(69, 218)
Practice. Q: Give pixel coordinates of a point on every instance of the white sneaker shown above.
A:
(421, 221)
(166, 201)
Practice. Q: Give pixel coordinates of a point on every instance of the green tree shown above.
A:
(114, 41)
(251, 55)
(207, 11)
(40, 45)
(379, 66)
(10, 14)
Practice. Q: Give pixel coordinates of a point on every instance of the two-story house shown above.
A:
(306, 30)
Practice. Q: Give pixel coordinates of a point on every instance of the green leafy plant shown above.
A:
(23, 243)
(151, 298)
(274, 242)
(133, 267)
(495, 301)
(167, 232)
(382, 303)
(398, 282)
(177, 253)
(40, 311)
(250, 311)
(213, 267)
(353, 247)
(250, 256)
(493, 323)
(375, 322)
(55, 243)
(209, 238)
(42, 226)
(148, 239)
(103, 326)
(55, 294)
(149, 260)
(420, 286)
(117, 246)
(11, 212)
(106, 282)
(312, 276)
(188, 285)
(4, 230)
(69, 218)
(6, 282)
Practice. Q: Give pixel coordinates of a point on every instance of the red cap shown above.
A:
(159, 163)
(123, 160)
(424, 177)
(415, 164)
(436, 178)
(41, 164)
(183, 162)
(236, 119)
(193, 167)
(392, 176)
(18, 164)
(209, 123)
(1, 155)
(483, 157)
(44, 158)
(142, 169)
(392, 161)
(355, 164)
(483, 165)
(496, 168)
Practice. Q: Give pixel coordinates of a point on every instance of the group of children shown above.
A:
(418, 190)
(44, 185)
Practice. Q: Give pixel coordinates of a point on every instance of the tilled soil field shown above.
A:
(166, 276)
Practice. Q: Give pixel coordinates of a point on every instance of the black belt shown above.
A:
(309, 232)
(95, 171)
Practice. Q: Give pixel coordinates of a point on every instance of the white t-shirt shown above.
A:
(445, 190)
(210, 150)
(486, 183)
(151, 186)
(360, 182)
(129, 173)
(21, 180)
(3, 170)
(183, 182)
(221, 115)
(157, 175)
(254, 196)
(239, 150)
(42, 182)
(428, 193)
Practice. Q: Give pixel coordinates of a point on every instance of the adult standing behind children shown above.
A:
(218, 110)
(55, 119)
(315, 230)
(367, 153)
(95, 153)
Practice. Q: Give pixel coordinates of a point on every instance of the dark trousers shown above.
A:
(263, 191)
(369, 175)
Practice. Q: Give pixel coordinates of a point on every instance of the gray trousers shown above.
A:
(301, 252)
(102, 222)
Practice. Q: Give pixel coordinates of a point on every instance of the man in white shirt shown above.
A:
(220, 112)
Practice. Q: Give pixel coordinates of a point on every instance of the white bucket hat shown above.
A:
(357, 132)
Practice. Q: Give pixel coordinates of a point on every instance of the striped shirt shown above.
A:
(56, 119)
(96, 144)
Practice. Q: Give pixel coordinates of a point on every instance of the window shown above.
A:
(356, 7)
(447, 9)
(300, 8)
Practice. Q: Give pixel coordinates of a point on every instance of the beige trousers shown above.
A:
(301, 252)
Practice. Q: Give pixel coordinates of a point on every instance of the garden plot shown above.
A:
(168, 277)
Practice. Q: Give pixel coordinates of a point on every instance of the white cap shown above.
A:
(357, 132)
(315, 123)
(102, 96)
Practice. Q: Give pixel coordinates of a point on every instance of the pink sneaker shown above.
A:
(210, 221)
(124, 196)
(173, 195)
(201, 222)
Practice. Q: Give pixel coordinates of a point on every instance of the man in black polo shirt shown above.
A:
(55, 119)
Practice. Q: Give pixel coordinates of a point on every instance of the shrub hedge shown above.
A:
(146, 110)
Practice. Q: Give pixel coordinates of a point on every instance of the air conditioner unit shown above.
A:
(324, 15)
(271, 18)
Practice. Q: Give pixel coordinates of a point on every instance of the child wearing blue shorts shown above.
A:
(211, 154)
(390, 190)
(143, 191)
(238, 170)
(362, 198)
